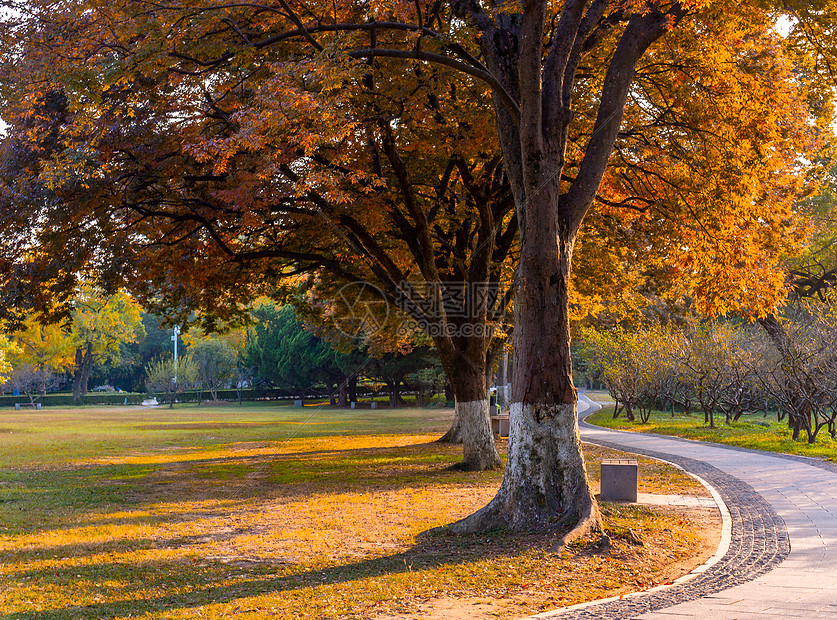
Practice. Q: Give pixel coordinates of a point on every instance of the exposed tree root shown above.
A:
(475, 466)
(489, 517)
(453, 436)
(495, 515)
(589, 525)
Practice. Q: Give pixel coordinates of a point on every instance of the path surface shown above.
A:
(782, 494)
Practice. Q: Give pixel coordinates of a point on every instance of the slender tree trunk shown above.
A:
(332, 395)
(392, 392)
(449, 393)
(343, 394)
(353, 389)
(502, 380)
(77, 375)
(86, 367)
(454, 433)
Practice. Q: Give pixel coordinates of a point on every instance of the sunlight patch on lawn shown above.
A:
(305, 527)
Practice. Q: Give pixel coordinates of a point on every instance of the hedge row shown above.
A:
(125, 398)
(92, 398)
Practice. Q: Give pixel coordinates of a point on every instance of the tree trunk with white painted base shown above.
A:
(472, 423)
(454, 433)
(545, 484)
(536, 56)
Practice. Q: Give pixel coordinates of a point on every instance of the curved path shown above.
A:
(774, 500)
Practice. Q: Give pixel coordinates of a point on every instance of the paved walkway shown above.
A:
(781, 494)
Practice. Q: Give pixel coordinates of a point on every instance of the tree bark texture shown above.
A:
(545, 485)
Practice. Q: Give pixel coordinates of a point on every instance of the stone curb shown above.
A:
(758, 543)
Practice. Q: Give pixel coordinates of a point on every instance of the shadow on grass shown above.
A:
(63, 506)
(66, 500)
(199, 583)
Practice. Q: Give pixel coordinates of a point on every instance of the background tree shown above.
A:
(130, 373)
(427, 381)
(160, 377)
(217, 356)
(639, 367)
(282, 352)
(30, 380)
(101, 325)
(798, 375)
(7, 348)
(217, 364)
(394, 368)
(41, 352)
(811, 276)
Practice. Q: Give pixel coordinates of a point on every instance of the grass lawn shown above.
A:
(598, 396)
(270, 511)
(751, 431)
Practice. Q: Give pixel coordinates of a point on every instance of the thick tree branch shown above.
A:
(530, 79)
(480, 74)
(564, 41)
(584, 41)
(641, 32)
(425, 260)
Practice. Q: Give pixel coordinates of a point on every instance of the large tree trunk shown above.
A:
(545, 484)
(472, 423)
